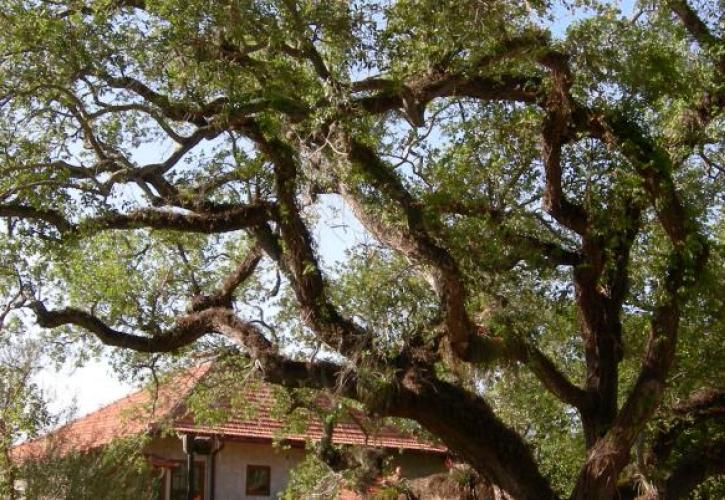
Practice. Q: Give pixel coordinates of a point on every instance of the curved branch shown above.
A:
(275, 368)
(231, 218)
(699, 408)
(468, 425)
(208, 133)
(415, 93)
(412, 97)
(554, 380)
(186, 330)
(50, 216)
(555, 133)
(297, 257)
(694, 468)
(485, 349)
(415, 242)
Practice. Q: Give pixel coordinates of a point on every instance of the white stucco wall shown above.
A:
(231, 465)
(232, 461)
(233, 458)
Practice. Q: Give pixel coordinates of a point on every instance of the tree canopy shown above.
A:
(533, 196)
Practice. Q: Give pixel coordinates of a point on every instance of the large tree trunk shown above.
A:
(468, 426)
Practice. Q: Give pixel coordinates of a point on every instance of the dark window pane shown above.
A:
(178, 482)
(258, 480)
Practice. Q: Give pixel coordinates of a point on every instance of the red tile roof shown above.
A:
(144, 410)
(129, 416)
(262, 423)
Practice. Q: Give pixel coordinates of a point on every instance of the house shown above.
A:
(236, 457)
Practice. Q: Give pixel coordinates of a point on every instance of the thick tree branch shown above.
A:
(289, 373)
(689, 254)
(232, 218)
(413, 97)
(485, 349)
(417, 243)
(555, 133)
(275, 368)
(601, 283)
(298, 258)
(210, 313)
(467, 424)
(25, 212)
(694, 25)
(702, 406)
(186, 330)
(694, 468)
(554, 380)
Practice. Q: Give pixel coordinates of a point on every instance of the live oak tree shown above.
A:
(534, 267)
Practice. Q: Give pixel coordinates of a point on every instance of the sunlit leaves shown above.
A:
(98, 106)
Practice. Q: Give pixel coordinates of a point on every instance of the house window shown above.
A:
(177, 485)
(258, 480)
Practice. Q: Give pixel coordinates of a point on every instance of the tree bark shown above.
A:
(468, 426)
